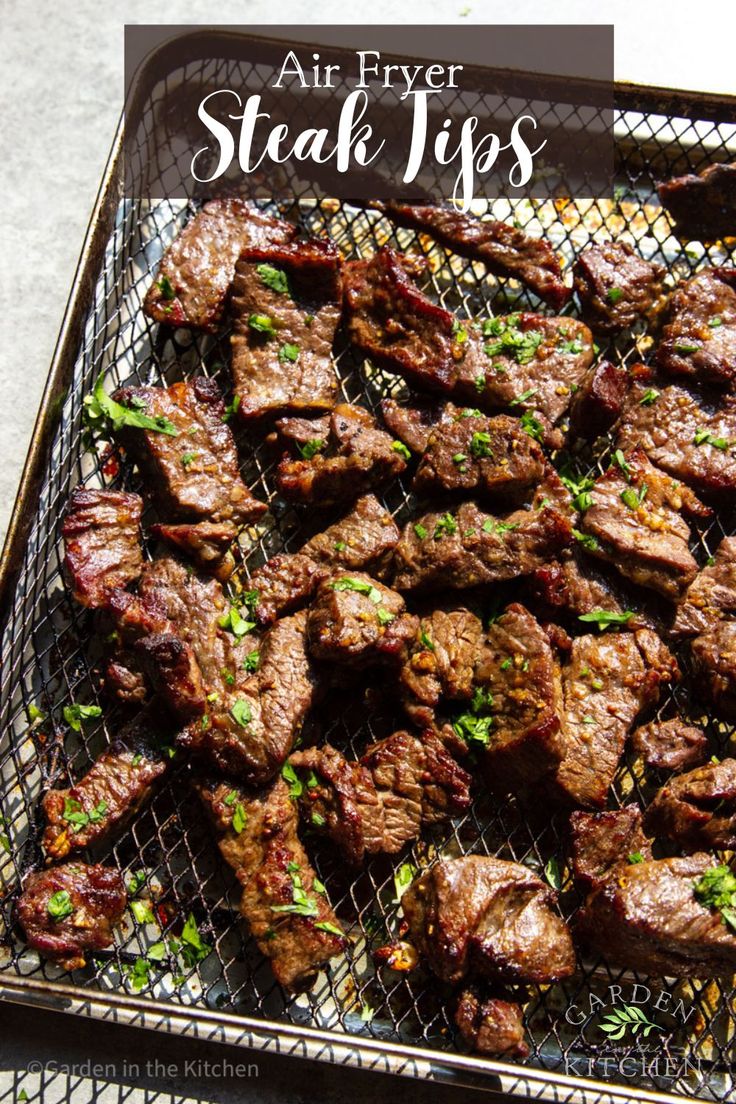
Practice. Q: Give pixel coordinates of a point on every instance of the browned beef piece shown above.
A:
(440, 662)
(608, 681)
(505, 250)
(646, 917)
(363, 539)
(491, 1025)
(102, 543)
(697, 810)
(284, 583)
(712, 594)
(702, 205)
(125, 680)
(486, 917)
(338, 798)
(342, 460)
(519, 678)
(286, 305)
(616, 287)
(197, 269)
(598, 401)
(714, 663)
(686, 433)
(572, 585)
(636, 523)
(468, 547)
(471, 454)
(670, 745)
(413, 422)
(117, 785)
(380, 803)
(355, 619)
(522, 361)
(68, 910)
(250, 728)
(207, 543)
(600, 841)
(699, 340)
(194, 475)
(284, 904)
(159, 653)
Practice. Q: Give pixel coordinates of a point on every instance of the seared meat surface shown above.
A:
(467, 548)
(195, 274)
(573, 585)
(115, 787)
(598, 401)
(69, 910)
(355, 619)
(440, 662)
(714, 664)
(521, 361)
(346, 455)
(697, 810)
(469, 453)
(414, 421)
(699, 340)
(363, 539)
(286, 310)
(284, 584)
(519, 678)
(646, 916)
(616, 287)
(102, 543)
(504, 250)
(712, 594)
(487, 917)
(381, 802)
(194, 475)
(607, 682)
(601, 841)
(683, 432)
(207, 543)
(283, 902)
(702, 205)
(491, 1025)
(670, 745)
(635, 522)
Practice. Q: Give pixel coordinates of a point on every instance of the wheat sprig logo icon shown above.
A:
(627, 1018)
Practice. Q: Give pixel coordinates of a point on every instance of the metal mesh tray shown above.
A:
(355, 1014)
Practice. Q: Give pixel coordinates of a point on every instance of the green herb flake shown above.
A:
(587, 540)
(325, 925)
(403, 878)
(240, 819)
(59, 905)
(241, 712)
(35, 716)
(317, 819)
(480, 445)
(506, 663)
(475, 724)
(714, 323)
(289, 353)
(426, 640)
(360, 587)
(142, 912)
(384, 617)
(75, 715)
(252, 661)
(232, 408)
(273, 278)
(166, 288)
(261, 323)
(310, 448)
(446, 525)
(136, 883)
(234, 622)
(686, 349)
(604, 619)
(420, 531)
(705, 437)
(614, 295)
(649, 397)
(188, 458)
(511, 341)
(553, 872)
(523, 397)
(400, 447)
(103, 414)
(193, 948)
(296, 786)
(635, 857)
(716, 890)
(532, 426)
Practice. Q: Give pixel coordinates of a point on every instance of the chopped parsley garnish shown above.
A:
(59, 905)
(446, 525)
(296, 786)
(685, 350)
(384, 617)
(523, 397)
(716, 890)
(35, 716)
(459, 458)
(480, 384)
(325, 925)
(302, 904)
(240, 819)
(261, 323)
(705, 437)
(166, 288)
(403, 878)
(142, 912)
(252, 661)
(188, 458)
(636, 857)
(234, 622)
(570, 348)
(714, 323)
(587, 540)
(274, 278)
(532, 426)
(193, 949)
(75, 815)
(400, 447)
(312, 447)
(419, 529)
(75, 715)
(605, 618)
(426, 640)
(583, 501)
(102, 414)
(231, 408)
(360, 586)
(622, 462)
(490, 525)
(614, 294)
(480, 444)
(340, 546)
(506, 663)
(510, 340)
(553, 872)
(136, 883)
(228, 677)
(634, 498)
(650, 396)
(241, 712)
(289, 353)
(459, 332)
(474, 725)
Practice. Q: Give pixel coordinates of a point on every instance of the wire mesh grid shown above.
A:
(50, 659)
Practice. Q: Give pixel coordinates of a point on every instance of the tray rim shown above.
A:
(333, 1047)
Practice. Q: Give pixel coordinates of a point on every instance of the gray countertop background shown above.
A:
(61, 88)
